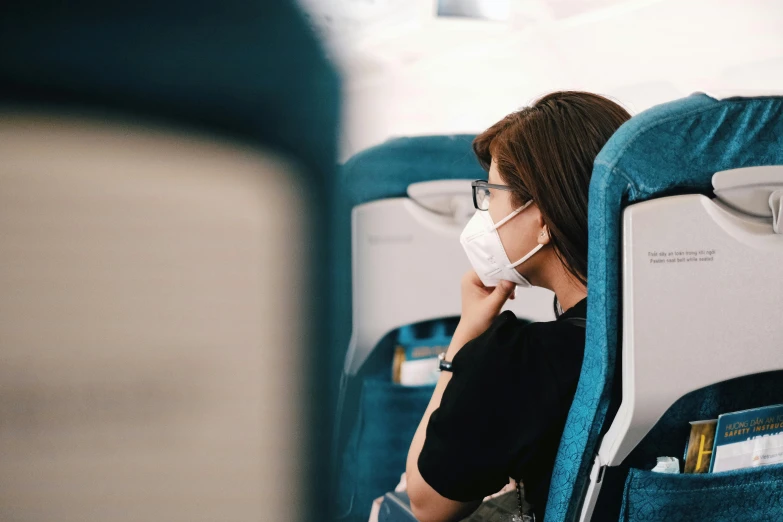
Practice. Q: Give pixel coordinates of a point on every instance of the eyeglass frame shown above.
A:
(485, 184)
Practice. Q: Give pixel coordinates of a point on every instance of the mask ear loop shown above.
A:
(505, 220)
(528, 256)
(510, 216)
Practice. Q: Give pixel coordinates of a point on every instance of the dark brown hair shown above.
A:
(545, 152)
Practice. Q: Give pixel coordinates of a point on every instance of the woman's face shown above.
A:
(519, 235)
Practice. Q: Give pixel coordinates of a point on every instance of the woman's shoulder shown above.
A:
(561, 326)
(508, 322)
(552, 347)
(572, 322)
(509, 335)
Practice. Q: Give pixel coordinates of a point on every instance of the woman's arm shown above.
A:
(480, 306)
(426, 503)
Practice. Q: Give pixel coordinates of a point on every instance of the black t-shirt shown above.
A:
(504, 409)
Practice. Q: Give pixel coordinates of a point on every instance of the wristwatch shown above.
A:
(443, 364)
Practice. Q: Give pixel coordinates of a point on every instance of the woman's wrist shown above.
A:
(462, 335)
(467, 332)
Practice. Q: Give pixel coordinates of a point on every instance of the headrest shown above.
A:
(672, 148)
(386, 170)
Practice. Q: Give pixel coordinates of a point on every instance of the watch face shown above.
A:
(443, 364)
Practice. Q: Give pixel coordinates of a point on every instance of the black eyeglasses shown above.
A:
(481, 193)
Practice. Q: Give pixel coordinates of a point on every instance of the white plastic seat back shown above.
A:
(702, 295)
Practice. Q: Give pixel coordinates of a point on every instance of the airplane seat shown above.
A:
(683, 318)
(164, 206)
(402, 207)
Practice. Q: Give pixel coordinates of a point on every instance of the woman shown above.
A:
(501, 410)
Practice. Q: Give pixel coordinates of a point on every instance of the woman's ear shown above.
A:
(543, 235)
(543, 230)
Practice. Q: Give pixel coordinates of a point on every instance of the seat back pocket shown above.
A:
(747, 494)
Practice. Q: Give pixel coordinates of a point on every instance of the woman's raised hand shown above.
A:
(481, 304)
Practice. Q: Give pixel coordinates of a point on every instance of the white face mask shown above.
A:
(485, 251)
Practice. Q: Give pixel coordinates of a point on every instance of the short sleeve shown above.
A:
(501, 400)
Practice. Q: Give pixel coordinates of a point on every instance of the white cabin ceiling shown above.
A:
(407, 71)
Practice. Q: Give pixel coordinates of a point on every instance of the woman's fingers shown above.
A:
(502, 292)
